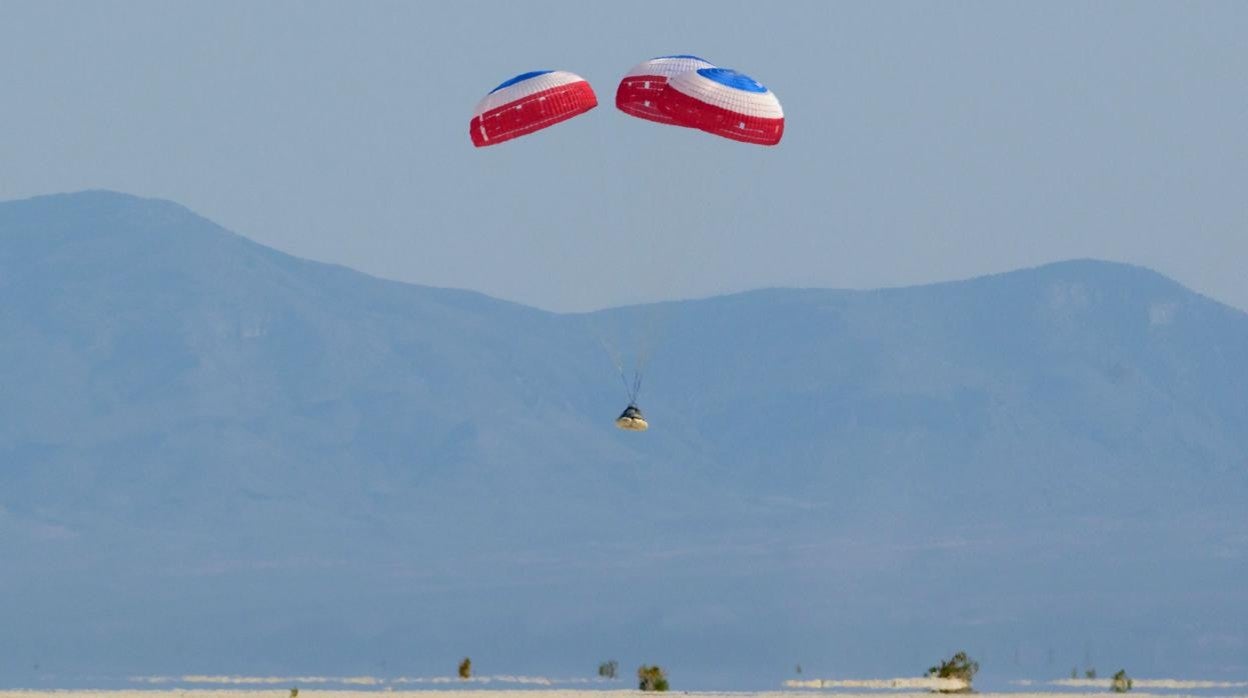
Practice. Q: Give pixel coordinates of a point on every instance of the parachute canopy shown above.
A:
(529, 102)
(631, 420)
(639, 92)
(726, 103)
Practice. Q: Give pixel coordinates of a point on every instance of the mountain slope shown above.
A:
(323, 472)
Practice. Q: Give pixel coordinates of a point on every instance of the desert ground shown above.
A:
(549, 693)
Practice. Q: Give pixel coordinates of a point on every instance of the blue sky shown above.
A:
(924, 141)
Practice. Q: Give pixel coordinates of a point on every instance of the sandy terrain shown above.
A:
(523, 693)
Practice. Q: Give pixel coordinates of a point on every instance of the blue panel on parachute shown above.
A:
(520, 78)
(733, 79)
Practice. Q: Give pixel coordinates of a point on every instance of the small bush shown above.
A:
(465, 669)
(959, 666)
(1121, 683)
(607, 669)
(294, 693)
(651, 678)
(1089, 673)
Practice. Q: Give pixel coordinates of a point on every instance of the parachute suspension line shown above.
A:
(636, 387)
(645, 348)
(644, 343)
(615, 355)
(629, 390)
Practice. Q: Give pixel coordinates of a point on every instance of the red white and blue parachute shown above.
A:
(640, 90)
(680, 90)
(726, 103)
(529, 102)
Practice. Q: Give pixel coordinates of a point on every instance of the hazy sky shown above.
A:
(924, 141)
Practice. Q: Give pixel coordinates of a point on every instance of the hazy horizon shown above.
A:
(657, 300)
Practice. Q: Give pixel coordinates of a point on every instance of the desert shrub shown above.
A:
(1089, 673)
(959, 666)
(294, 693)
(608, 669)
(651, 678)
(1121, 683)
(465, 669)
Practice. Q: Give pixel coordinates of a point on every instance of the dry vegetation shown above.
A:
(960, 667)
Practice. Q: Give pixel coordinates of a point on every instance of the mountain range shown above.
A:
(219, 458)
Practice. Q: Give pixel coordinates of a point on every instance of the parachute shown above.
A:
(631, 419)
(689, 91)
(726, 103)
(678, 90)
(529, 102)
(639, 91)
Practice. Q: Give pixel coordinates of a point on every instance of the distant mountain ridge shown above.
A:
(217, 457)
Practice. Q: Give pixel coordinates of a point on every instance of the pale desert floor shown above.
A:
(545, 693)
